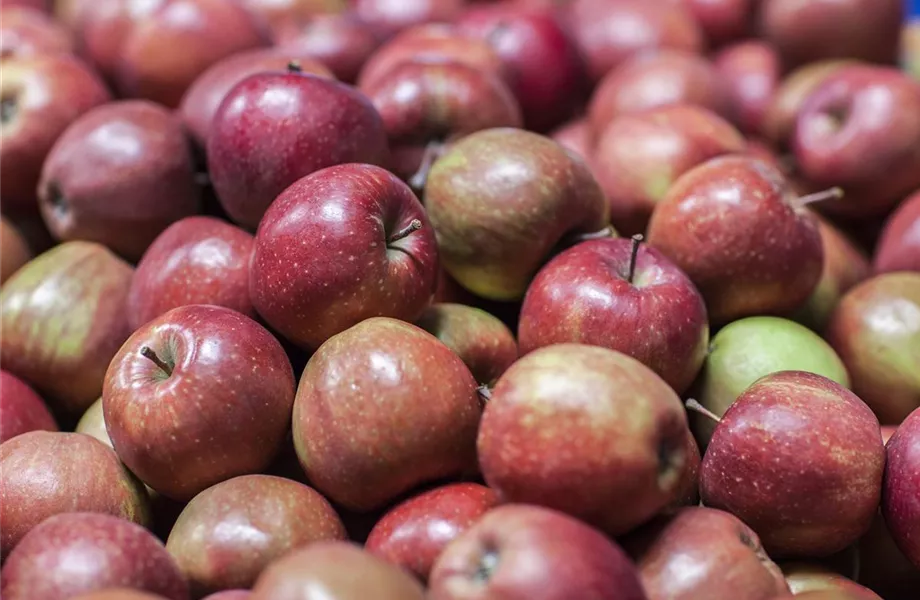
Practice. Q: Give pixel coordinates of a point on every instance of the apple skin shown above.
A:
(40, 5)
(821, 442)
(415, 532)
(584, 295)
(876, 331)
(325, 255)
(92, 423)
(805, 577)
(14, 251)
(213, 541)
(74, 553)
(27, 31)
(197, 260)
(580, 398)
(501, 200)
(42, 96)
(341, 42)
(518, 552)
(21, 409)
(722, 20)
(277, 13)
(118, 594)
(160, 423)
(751, 72)
(349, 432)
(883, 567)
(898, 248)
(230, 595)
(389, 17)
(689, 486)
(733, 225)
(702, 553)
(47, 473)
(639, 156)
(255, 150)
(576, 136)
(484, 344)
(63, 317)
(901, 493)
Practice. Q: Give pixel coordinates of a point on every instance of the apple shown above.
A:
(340, 41)
(860, 129)
(876, 331)
(799, 458)
(341, 245)
(230, 595)
(639, 156)
(414, 533)
(28, 32)
(910, 48)
(63, 317)
(389, 17)
(883, 567)
(746, 350)
(622, 295)
(655, 79)
(21, 409)
(576, 136)
(119, 175)
(33, 232)
(213, 541)
(92, 423)
(14, 251)
(899, 246)
(47, 473)
(501, 200)
(406, 414)
(519, 552)
(197, 260)
(277, 13)
(806, 577)
(258, 145)
(612, 443)
(40, 5)
(328, 569)
(172, 414)
(734, 226)
(751, 72)
(118, 594)
(74, 553)
(808, 31)
(702, 553)
(901, 494)
(722, 20)
(610, 31)
(41, 96)
(689, 486)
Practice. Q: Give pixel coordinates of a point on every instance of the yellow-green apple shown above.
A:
(805, 577)
(92, 423)
(751, 72)
(14, 251)
(898, 247)
(26, 31)
(21, 409)
(901, 495)
(910, 48)
(389, 17)
(340, 41)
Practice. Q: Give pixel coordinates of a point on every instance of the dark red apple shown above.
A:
(273, 128)
(63, 317)
(733, 225)
(198, 260)
(277, 13)
(341, 41)
(883, 568)
(901, 495)
(723, 20)
(414, 533)
(47, 473)
(576, 136)
(522, 552)
(799, 458)
(14, 251)
(41, 96)
(899, 246)
(197, 396)
(213, 541)
(74, 553)
(21, 409)
(27, 31)
(389, 17)
(751, 72)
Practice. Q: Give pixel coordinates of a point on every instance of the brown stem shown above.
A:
(834, 193)
(633, 256)
(695, 406)
(294, 67)
(414, 225)
(418, 180)
(147, 352)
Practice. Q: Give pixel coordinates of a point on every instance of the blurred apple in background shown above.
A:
(899, 246)
(389, 17)
(750, 72)
(92, 423)
(576, 136)
(901, 495)
(21, 409)
(722, 20)
(279, 12)
(26, 31)
(14, 251)
(340, 41)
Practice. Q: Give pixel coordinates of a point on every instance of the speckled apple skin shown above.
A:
(329, 569)
(223, 412)
(799, 458)
(901, 494)
(198, 260)
(213, 541)
(584, 296)
(587, 431)
(48, 473)
(29, 32)
(876, 331)
(323, 260)
(21, 409)
(355, 399)
(482, 341)
(259, 145)
(542, 554)
(63, 317)
(899, 247)
(501, 200)
(74, 553)
(703, 553)
(414, 533)
(732, 226)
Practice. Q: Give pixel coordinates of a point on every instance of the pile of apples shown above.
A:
(459, 300)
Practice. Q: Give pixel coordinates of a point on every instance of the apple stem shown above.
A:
(294, 67)
(695, 406)
(484, 392)
(147, 352)
(418, 180)
(633, 256)
(414, 225)
(834, 193)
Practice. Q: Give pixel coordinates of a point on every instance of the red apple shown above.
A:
(197, 396)
(751, 72)
(198, 260)
(230, 595)
(27, 31)
(689, 486)
(805, 577)
(883, 567)
(42, 95)
(521, 552)
(901, 495)
(899, 246)
(277, 13)
(21, 409)
(341, 42)
(213, 541)
(63, 317)
(722, 20)
(41, 5)
(389, 17)
(118, 593)
(799, 458)
(14, 251)
(47, 473)
(79, 552)
(576, 136)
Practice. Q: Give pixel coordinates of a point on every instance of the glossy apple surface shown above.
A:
(899, 246)
(21, 409)
(901, 495)
(26, 31)
(341, 41)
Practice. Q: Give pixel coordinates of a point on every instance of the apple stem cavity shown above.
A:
(294, 67)
(414, 225)
(419, 179)
(606, 232)
(485, 393)
(834, 193)
(633, 256)
(486, 567)
(148, 353)
(695, 406)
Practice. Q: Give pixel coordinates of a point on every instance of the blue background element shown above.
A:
(913, 7)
